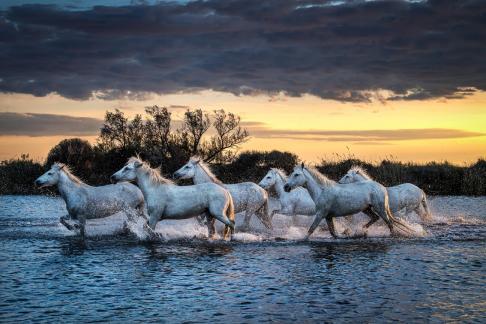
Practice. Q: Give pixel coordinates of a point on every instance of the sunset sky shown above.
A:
(376, 79)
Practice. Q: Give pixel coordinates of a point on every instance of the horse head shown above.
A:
(51, 177)
(296, 179)
(128, 172)
(188, 170)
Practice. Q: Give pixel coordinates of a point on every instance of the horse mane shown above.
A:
(154, 175)
(68, 172)
(281, 173)
(361, 171)
(319, 177)
(206, 168)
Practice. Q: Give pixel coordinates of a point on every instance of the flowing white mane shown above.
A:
(280, 173)
(67, 171)
(206, 168)
(154, 175)
(319, 177)
(359, 170)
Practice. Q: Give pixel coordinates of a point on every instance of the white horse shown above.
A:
(165, 200)
(295, 202)
(339, 200)
(87, 202)
(405, 197)
(247, 196)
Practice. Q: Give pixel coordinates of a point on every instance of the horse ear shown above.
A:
(61, 166)
(137, 164)
(302, 165)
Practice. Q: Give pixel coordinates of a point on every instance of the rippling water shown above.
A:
(48, 274)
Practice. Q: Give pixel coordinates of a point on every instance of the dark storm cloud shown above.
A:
(30, 124)
(260, 130)
(418, 50)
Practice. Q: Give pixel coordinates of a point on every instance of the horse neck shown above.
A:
(67, 187)
(145, 184)
(201, 176)
(361, 178)
(313, 187)
(279, 186)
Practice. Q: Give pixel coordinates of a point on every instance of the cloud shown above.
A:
(344, 50)
(30, 124)
(176, 107)
(364, 137)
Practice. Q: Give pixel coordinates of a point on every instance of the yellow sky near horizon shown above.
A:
(305, 113)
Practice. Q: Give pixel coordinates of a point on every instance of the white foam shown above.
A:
(445, 210)
(246, 237)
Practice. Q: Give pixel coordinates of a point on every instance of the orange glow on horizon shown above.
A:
(288, 113)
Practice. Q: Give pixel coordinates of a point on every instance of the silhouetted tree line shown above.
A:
(215, 138)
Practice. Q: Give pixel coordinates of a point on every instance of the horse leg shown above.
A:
(425, 206)
(211, 227)
(371, 214)
(229, 225)
(262, 214)
(330, 225)
(317, 221)
(63, 221)
(246, 220)
(384, 213)
(82, 227)
(422, 210)
(200, 219)
(218, 211)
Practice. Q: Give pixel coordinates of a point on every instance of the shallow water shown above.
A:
(48, 274)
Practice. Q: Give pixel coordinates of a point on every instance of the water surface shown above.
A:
(48, 274)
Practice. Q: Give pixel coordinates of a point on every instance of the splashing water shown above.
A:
(293, 228)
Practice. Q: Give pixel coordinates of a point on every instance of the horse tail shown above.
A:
(230, 210)
(230, 214)
(391, 220)
(398, 223)
(425, 205)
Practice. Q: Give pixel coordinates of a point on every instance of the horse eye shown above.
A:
(268, 177)
(50, 173)
(187, 167)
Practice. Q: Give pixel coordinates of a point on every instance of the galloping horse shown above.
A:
(403, 197)
(295, 202)
(339, 200)
(168, 201)
(247, 196)
(87, 202)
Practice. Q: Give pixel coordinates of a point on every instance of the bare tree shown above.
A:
(196, 123)
(229, 135)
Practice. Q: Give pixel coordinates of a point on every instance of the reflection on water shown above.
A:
(48, 274)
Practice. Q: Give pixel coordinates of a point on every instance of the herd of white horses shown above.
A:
(304, 192)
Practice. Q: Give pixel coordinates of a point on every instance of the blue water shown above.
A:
(49, 275)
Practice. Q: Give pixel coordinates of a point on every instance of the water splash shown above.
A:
(452, 218)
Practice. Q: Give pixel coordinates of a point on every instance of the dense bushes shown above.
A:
(435, 178)
(17, 176)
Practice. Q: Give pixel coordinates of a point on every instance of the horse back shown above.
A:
(245, 193)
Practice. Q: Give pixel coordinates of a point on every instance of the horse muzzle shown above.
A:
(176, 176)
(287, 188)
